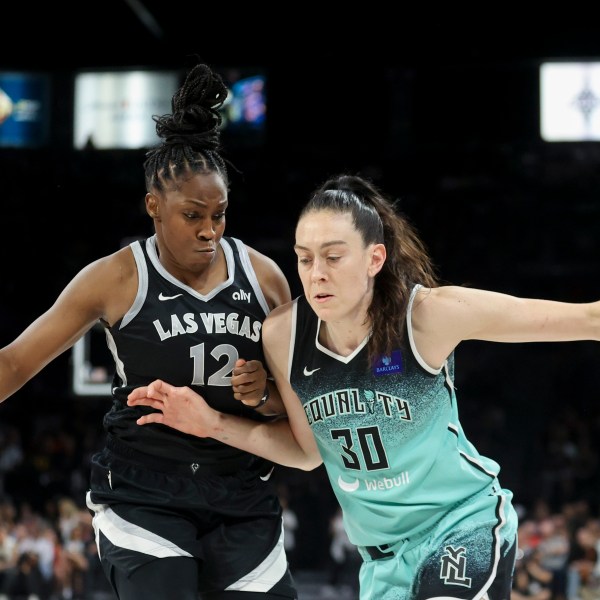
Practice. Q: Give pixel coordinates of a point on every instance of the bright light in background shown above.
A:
(114, 110)
(570, 101)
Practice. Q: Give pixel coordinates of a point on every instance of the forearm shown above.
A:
(273, 441)
(185, 410)
(11, 379)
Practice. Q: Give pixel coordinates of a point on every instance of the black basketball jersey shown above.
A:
(173, 333)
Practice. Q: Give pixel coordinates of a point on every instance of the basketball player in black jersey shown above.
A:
(176, 516)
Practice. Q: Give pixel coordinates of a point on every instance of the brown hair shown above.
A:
(375, 217)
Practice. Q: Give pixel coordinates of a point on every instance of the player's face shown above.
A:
(336, 269)
(190, 222)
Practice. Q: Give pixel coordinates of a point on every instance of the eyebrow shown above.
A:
(324, 245)
(194, 201)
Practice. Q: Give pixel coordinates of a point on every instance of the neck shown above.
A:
(342, 338)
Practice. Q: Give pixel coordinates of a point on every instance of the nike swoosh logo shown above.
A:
(307, 372)
(161, 296)
(268, 475)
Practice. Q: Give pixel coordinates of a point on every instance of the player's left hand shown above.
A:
(249, 381)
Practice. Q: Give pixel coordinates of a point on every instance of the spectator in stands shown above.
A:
(531, 580)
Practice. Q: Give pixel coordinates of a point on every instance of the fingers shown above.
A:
(252, 387)
(248, 381)
(151, 418)
(247, 366)
(151, 402)
(141, 392)
(244, 385)
(158, 389)
(252, 398)
(251, 374)
(251, 393)
(151, 396)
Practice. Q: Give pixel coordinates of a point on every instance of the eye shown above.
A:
(191, 215)
(219, 217)
(333, 258)
(303, 260)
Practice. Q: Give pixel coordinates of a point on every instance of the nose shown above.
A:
(317, 272)
(205, 230)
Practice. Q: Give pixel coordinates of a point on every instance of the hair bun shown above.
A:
(196, 116)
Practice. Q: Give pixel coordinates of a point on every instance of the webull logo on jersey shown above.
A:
(213, 323)
(380, 484)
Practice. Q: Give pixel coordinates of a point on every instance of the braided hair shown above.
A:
(407, 262)
(191, 140)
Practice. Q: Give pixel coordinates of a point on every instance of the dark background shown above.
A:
(440, 110)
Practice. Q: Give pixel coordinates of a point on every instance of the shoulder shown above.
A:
(437, 308)
(271, 278)
(279, 320)
(277, 332)
(261, 262)
(113, 280)
(443, 317)
(431, 300)
(434, 318)
(119, 265)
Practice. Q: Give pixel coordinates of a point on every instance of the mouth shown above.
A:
(322, 297)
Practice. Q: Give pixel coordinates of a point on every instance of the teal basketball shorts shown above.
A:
(468, 555)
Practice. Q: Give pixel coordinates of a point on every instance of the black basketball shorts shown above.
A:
(231, 524)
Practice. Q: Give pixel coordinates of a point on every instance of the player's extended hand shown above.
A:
(249, 380)
(179, 407)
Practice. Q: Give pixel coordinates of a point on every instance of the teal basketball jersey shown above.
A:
(389, 434)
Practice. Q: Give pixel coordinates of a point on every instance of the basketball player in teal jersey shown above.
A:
(364, 363)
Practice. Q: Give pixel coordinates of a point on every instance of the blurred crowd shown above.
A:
(559, 553)
(49, 556)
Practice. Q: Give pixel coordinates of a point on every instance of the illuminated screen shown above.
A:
(24, 109)
(245, 110)
(113, 110)
(570, 101)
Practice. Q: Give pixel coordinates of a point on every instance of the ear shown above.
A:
(152, 205)
(378, 256)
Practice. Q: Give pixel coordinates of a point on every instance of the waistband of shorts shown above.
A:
(156, 463)
(384, 551)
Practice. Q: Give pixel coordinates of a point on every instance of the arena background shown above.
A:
(441, 111)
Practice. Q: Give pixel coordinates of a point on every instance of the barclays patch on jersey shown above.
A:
(387, 365)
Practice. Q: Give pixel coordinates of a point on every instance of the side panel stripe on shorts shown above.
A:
(267, 574)
(127, 535)
(497, 543)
